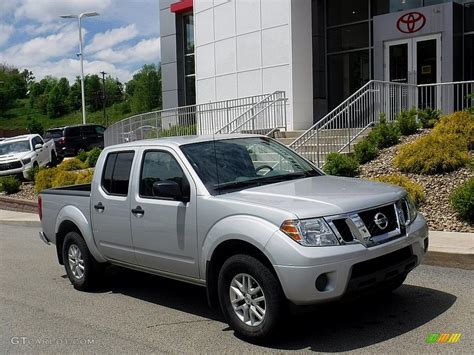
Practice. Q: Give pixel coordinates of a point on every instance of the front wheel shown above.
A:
(81, 267)
(251, 297)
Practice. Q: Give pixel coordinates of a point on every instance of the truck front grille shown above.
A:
(369, 220)
(10, 165)
(380, 225)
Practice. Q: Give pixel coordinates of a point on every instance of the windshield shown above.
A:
(54, 133)
(14, 147)
(235, 164)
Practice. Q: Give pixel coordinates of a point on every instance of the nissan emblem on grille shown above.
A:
(381, 220)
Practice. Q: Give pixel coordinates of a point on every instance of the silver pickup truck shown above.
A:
(241, 215)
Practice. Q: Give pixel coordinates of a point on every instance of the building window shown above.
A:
(188, 60)
(347, 72)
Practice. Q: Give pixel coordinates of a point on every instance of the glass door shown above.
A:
(416, 61)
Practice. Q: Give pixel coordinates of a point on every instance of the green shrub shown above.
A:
(44, 177)
(462, 199)
(9, 184)
(384, 134)
(35, 127)
(64, 178)
(415, 190)
(82, 156)
(31, 173)
(432, 154)
(71, 165)
(178, 131)
(429, 117)
(93, 157)
(341, 165)
(407, 122)
(459, 124)
(84, 177)
(365, 151)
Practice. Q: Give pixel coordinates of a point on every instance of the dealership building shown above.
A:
(317, 51)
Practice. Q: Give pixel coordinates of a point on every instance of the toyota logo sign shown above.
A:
(411, 22)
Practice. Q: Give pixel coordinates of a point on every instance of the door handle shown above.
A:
(138, 211)
(99, 207)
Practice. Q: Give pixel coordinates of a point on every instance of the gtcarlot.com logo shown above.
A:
(443, 338)
(22, 340)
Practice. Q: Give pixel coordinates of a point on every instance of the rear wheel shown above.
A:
(251, 297)
(54, 159)
(81, 267)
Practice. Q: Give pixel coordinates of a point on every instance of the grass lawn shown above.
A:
(22, 114)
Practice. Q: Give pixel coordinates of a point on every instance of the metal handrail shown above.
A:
(249, 111)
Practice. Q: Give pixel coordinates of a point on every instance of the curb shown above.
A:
(12, 222)
(459, 261)
(18, 205)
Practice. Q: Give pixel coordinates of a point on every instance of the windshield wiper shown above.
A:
(292, 176)
(238, 184)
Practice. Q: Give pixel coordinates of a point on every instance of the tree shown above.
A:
(74, 97)
(93, 92)
(55, 103)
(145, 89)
(13, 86)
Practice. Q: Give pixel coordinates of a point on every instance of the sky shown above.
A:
(120, 41)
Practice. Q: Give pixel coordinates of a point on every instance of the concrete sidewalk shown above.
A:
(450, 249)
(19, 218)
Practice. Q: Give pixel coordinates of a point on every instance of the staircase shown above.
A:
(327, 141)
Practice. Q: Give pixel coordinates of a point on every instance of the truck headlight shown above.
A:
(26, 161)
(313, 232)
(409, 210)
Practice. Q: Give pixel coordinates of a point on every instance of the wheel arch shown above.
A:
(70, 218)
(224, 251)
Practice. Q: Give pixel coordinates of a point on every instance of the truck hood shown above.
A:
(320, 196)
(6, 158)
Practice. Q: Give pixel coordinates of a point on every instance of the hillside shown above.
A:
(22, 114)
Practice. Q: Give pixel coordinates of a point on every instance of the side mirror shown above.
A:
(38, 146)
(169, 189)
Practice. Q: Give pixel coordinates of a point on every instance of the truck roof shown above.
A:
(182, 140)
(19, 138)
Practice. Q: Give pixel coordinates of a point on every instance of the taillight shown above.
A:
(40, 207)
(62, 141)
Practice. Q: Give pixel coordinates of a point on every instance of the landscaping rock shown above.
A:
(438, 211)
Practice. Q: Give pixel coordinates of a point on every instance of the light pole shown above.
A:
(81, 56)
(104, 96)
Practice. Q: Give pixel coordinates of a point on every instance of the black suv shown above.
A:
(70, 140)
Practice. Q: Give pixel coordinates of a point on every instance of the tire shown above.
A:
(54, 159)
(82, 270)
(233, 272)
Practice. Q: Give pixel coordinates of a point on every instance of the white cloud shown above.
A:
(146, 51)
(40, 49)
(47, 10)
(5, 32)
(44, 28)
(111, 38)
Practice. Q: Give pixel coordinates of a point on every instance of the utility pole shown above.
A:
(104, 96)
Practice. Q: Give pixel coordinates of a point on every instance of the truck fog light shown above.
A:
(322, 282)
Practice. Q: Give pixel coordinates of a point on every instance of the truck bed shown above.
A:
(54, 200)
(73, 190)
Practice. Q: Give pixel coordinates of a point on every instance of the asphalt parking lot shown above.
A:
(133, 312)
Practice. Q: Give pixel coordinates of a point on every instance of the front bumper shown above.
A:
(16, 172)
(347, 267)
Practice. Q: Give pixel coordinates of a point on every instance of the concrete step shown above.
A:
(288, 134)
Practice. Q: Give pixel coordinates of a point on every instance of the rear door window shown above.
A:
(116, 175)
(88, 131)
(73, 131)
